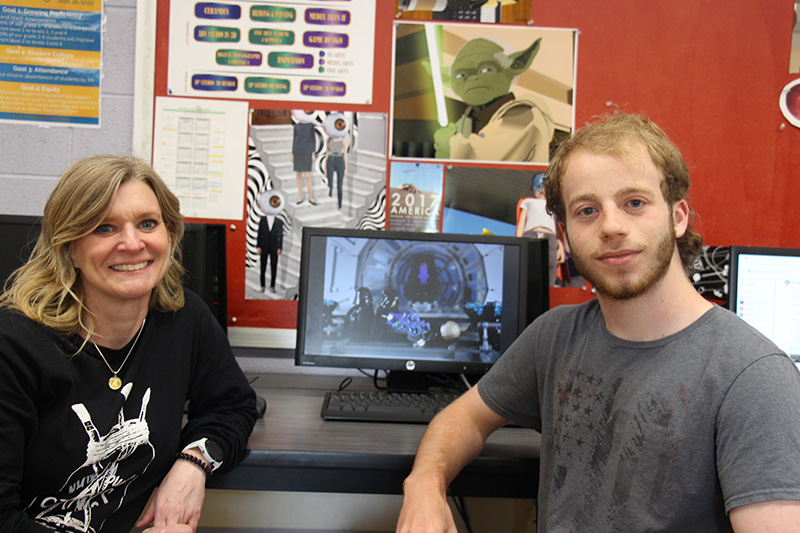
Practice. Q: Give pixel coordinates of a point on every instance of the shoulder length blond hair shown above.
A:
(46, 289)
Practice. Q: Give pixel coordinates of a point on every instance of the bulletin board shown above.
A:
(710, 73)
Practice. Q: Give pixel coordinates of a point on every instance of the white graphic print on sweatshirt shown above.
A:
(100, 480)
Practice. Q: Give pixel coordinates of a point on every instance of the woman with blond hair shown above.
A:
(101, 351)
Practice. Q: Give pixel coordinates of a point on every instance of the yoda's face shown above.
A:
(479, 78)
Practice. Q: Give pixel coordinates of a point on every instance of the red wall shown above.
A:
(710, 72)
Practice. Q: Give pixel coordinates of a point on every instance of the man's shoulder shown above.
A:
(566, 319)
(725, 328)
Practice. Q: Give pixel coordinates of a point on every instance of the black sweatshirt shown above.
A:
(78, 456)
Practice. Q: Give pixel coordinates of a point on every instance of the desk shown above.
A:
(293, 449)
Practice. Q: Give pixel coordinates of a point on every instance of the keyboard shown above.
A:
(382, 406)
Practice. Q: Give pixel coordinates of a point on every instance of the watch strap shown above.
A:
(202, 446)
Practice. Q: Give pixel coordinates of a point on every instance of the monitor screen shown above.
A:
(764, 290)
(422, 302)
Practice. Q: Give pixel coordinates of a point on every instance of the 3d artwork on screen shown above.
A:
(477, 93)
(437, 298)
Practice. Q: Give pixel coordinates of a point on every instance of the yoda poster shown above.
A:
(471, 92)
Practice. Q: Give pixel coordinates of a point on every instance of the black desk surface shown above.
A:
(293, 449)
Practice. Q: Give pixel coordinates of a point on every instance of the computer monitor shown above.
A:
(764, 290)
(18, 233)
(415, 303)
(203, 246)
(204, 258)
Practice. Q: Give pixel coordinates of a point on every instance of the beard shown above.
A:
(625, 286)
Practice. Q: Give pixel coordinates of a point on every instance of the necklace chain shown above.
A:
(114, 383)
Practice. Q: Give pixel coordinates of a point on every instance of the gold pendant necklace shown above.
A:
(114, 382)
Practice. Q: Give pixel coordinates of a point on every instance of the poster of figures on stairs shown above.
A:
(308, 168)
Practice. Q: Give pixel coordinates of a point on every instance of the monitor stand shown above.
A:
(403, 381)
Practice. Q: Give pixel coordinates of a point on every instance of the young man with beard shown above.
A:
(658, 410)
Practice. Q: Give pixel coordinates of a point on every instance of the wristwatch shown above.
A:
(210, 451)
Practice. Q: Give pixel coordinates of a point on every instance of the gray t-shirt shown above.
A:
(666, 435)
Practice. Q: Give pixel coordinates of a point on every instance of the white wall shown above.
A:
(34, 157)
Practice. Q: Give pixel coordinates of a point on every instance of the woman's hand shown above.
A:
(177, 503)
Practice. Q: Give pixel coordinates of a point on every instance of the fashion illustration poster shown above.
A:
(306, 167)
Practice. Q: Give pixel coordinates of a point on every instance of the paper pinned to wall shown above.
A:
(309, 50)
(50, 62)
(200, 151)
